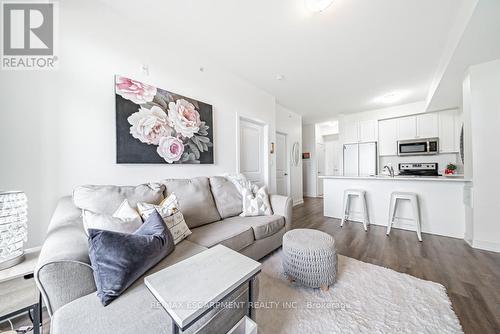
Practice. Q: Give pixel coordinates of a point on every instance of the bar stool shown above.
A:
(361, 194)
(413, 198)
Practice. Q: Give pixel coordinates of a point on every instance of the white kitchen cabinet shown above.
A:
(427, 125)
(360, 131)
(450, 124)
(407, 127)
(350, 132)
(418, 126)
(388, 137)
(368, 131)
(447, 131)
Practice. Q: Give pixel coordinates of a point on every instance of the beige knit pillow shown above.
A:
(173, 218)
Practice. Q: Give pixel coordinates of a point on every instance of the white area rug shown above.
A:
(366, 299)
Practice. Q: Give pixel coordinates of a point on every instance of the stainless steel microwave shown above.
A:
(425, 146)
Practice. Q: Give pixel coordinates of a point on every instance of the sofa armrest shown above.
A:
(282, 205)
(63, 272)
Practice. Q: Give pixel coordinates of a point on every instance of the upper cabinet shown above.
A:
(350, 132)
(450, 125)
(418, 126)
(427, 125)
(368, 131)
(388, 137)
(360, 131)
(407, 127)
(445, 125)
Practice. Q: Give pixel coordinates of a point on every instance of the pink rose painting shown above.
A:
(156, 126)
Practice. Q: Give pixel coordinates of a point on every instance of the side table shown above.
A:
(18, 291)
(204, 279)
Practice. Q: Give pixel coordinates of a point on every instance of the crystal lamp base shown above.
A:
(11, 261)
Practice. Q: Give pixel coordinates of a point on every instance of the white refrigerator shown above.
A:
(360, 159)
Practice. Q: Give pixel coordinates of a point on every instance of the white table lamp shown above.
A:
(13, 227)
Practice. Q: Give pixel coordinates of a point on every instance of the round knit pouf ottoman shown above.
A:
(310, 258)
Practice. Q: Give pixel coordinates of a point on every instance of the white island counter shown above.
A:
(442, 208)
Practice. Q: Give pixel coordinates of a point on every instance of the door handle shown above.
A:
(286, 174)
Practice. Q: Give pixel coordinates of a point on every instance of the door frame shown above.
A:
(318, 180)
(265, 144)
(288, 162)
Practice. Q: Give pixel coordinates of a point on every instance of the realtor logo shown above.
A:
(28, 35)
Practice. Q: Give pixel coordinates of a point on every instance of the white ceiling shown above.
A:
(479, 43)
(336, 61)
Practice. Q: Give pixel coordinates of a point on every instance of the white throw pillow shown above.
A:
(173, 218)
(239, 180)
(125, 219)
(256, 202)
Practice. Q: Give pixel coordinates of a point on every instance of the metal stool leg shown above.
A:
(346, 209)
(366, 220)
(416, 213)
(392, 214)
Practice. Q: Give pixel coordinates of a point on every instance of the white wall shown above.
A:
(290, 123)
(483, 110)
(58, 128)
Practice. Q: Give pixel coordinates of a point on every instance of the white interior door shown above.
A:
(320, 148)
(332, 157)
(252, 151)
(282, 164)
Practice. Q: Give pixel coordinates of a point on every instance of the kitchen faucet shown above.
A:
(390, 169)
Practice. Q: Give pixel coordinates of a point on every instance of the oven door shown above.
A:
(413, 147)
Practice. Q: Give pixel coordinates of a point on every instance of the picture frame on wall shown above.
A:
(154, 125)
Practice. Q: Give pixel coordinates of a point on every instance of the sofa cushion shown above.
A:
(227, 197)
(234, 236)
(107, 199)
(262, 226)
(195, 200)
(135, 311)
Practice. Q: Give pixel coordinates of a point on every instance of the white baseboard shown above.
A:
(298, 201)
(486, 245)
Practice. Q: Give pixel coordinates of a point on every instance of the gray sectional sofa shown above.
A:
(211, 208)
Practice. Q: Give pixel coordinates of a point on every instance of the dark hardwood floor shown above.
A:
(471, 277)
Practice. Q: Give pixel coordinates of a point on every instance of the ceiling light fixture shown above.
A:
(391, 97)
(317, 6)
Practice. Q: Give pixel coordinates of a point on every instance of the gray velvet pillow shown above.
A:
(119, 259)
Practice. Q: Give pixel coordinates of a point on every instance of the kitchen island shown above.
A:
(442, 201)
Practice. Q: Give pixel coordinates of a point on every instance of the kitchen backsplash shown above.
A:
(441, 159)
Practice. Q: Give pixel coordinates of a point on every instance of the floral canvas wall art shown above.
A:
(156, 126)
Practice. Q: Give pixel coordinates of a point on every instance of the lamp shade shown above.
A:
(13, 227)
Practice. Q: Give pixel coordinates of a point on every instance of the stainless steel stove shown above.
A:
(419, 169)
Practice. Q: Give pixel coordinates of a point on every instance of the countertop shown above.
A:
(400, 178)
